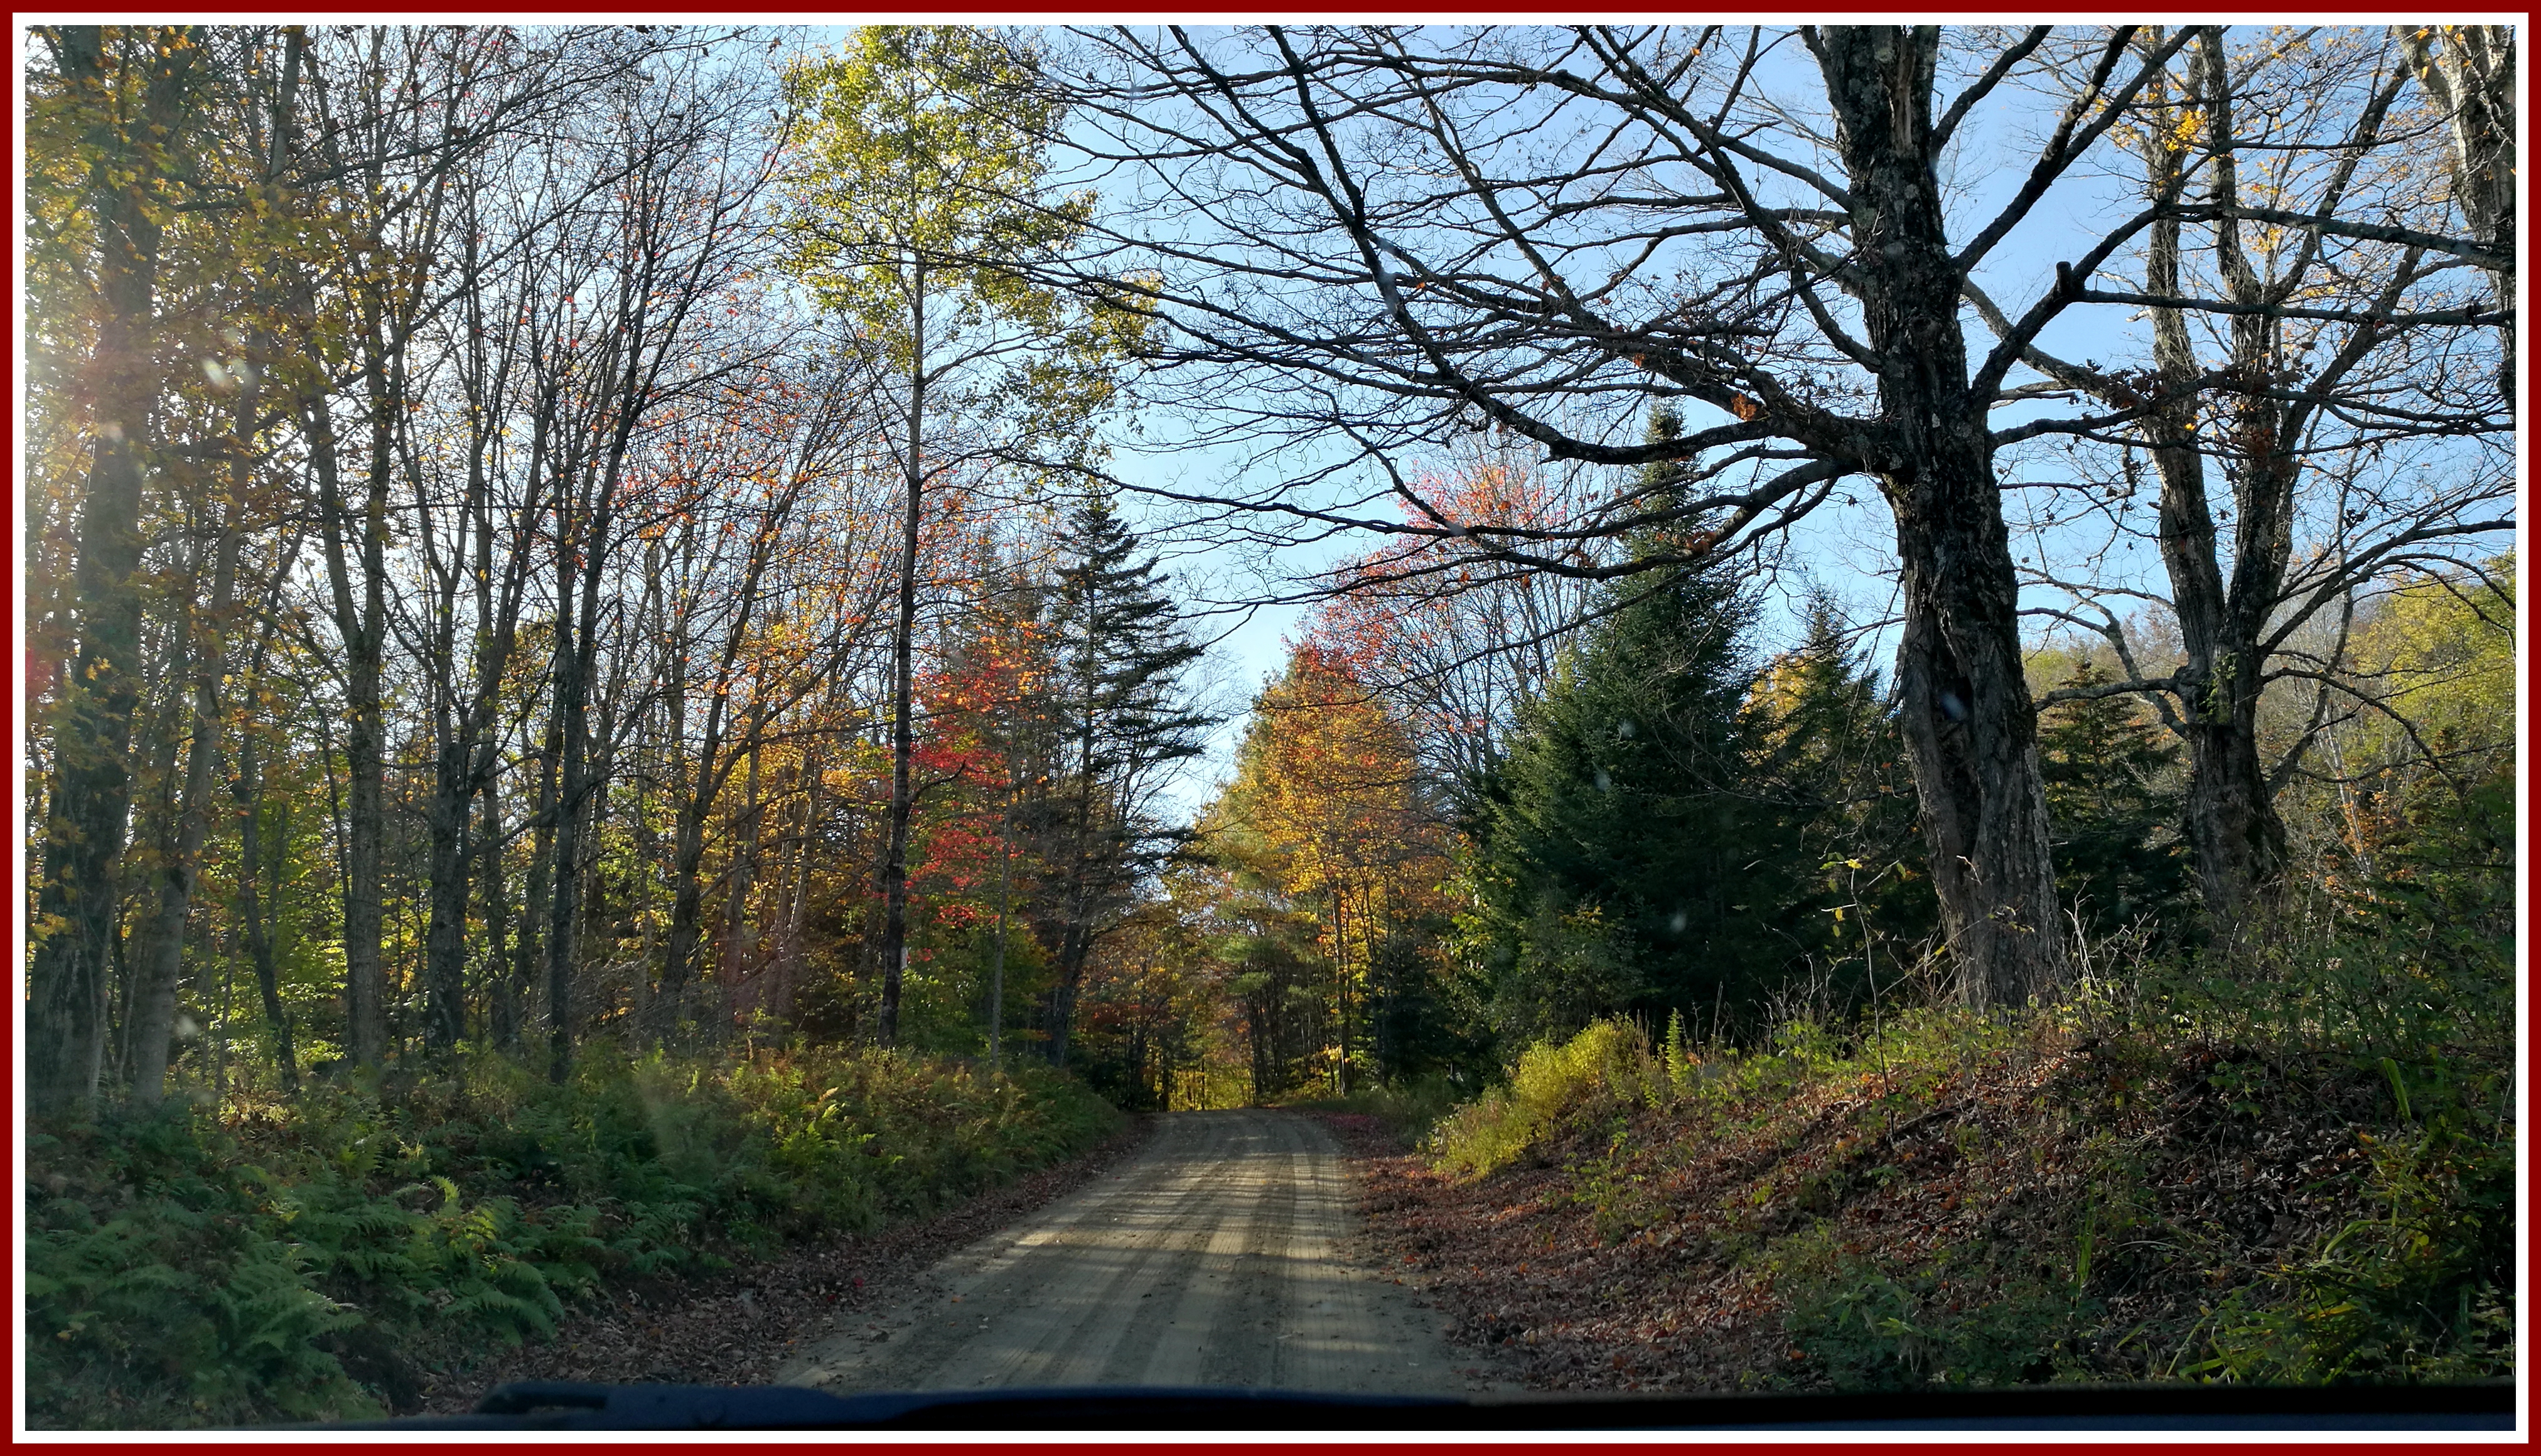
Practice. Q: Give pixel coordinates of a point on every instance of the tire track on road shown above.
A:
(1214, 1259)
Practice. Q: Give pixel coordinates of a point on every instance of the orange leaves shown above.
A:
(1327, 788)
(1743, 407)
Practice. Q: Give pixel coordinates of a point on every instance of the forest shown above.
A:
(582, 585)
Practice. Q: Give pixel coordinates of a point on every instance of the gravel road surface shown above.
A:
(1218, 1256)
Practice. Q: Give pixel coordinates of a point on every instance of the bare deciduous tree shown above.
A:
(1393, 234)
(2299, 413)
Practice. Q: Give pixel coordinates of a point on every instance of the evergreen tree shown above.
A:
(1862, 909)
(1672, 831)
(1126, 714)
(2114, 809)
(1614, 857)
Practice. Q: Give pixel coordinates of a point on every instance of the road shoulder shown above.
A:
(739, 1327)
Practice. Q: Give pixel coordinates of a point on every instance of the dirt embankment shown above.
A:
(2057, 1217)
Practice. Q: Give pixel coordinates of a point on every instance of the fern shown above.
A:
(185, 1272)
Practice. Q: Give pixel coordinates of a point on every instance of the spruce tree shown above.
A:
(1861, 908)
(1614, 853)
(1121, 656)
(1672, 831)
(2113, 806)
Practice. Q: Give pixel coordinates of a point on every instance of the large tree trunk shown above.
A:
(528, 950)
(696, 794)
(687, 913)
(365, 759)
(463, 771)
(575, 623)
(2232, 826)
(564, 901)
(148, 1012)
(2469, 70)
(597, 925)
(361, 627)
(576, 661)
(1970, 729)
(465, 737)
(465, 762)
(1074, 948)
(445, 944)
(1076, 901)
(88, 804)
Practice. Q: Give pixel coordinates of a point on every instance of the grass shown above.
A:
(297, 1260)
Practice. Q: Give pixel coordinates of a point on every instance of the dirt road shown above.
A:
(1216, 1257)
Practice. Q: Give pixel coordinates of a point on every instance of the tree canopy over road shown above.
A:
(557, 545)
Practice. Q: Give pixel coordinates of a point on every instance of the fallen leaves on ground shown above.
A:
(1636, 1250)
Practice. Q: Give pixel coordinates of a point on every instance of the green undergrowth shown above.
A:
(1409, 1109)
(2303, 1174)
(300, 1260)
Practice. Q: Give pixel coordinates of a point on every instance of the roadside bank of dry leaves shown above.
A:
(735, 1328)
(2048, 1210)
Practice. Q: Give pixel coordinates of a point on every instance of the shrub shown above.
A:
(291, 1262)
(2421, 1289)
(1604, 1067)
(1867, 1326)
(1409, 1107)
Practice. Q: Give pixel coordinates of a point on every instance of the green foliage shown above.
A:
(1608, 853)
(186, 1271)
(1121, 649)
(920, 204)
(2423, 988)
(1671, 830)
(1410, 1107)
(2444, 647)
(2418, 1285)
(2418, 1291)
(2113, 808)
(1424, 1032)
(1605, 1068)
(162, 1290)
(1564, 970)
(1867, 1326)
(1120, 713)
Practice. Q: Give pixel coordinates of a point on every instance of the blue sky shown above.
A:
(1846, 547)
